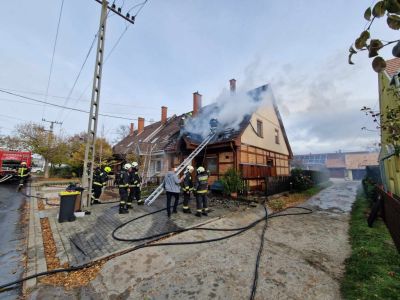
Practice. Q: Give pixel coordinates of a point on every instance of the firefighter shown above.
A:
(201, 189)
(134, 185)
(97, 185)
(105, 173)
(123, 185)
(187, 188)
(23, 174)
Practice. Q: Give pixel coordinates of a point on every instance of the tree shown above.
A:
(390, 8)
(122, 132)
(40, 141)
(77, 144)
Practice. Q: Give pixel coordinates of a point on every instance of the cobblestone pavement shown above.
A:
(89, 237)
(303, 258)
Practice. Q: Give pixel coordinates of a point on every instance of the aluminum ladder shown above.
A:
(157, 192)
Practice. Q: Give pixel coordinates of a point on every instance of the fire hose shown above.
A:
(236, 231)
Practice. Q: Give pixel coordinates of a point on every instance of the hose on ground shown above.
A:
(148, 244)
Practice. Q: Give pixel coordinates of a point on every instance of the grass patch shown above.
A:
(293, 199)
(373, 269)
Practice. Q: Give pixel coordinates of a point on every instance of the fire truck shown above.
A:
(10, 161)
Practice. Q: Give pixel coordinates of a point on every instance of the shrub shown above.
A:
(232, 182)
(276, 204)
(300, 181)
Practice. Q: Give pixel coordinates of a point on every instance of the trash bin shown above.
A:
(67, 206)
(74, 188)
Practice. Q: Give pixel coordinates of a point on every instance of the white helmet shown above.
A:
(189, 169)
(200, 170)
(135, 164)
(127, 166)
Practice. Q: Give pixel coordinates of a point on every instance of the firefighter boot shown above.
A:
(205, 212)
(187, 210)
(198, 213)
(123, 209)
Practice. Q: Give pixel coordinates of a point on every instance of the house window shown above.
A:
(157, 166)
(270, 163)
(211, 163)
(276, 136)
(259, 128)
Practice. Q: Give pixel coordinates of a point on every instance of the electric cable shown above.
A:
(52, 57)
(148, 244)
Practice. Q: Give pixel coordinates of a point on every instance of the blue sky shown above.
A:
(178, 47)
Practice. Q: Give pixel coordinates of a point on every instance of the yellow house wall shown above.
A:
(267, 115)
(392, 165)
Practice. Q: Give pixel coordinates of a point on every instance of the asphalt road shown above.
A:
(11, 237)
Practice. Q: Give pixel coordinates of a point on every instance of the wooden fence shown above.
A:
(391, 214)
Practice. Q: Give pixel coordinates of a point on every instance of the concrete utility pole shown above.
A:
(88, 164)
(46, 161)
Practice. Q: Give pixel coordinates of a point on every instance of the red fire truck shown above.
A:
(10, 161)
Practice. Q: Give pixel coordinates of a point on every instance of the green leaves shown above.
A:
(378, 64)
(392, 6)
(393, 21)
(374, 46)
(379, 9)
(367, 14)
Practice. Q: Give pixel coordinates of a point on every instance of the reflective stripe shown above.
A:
(97, 183)
(66, 193)
(122, 202)
(205, 209)
(123, 185)
(140, 201)
(185, 207)
(199, 210)
(202, 192)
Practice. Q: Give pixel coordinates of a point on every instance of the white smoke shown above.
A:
(229, 109)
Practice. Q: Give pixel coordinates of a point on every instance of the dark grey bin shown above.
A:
(67, 206)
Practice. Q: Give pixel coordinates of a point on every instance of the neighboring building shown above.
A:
(349, 165)
(356, 163)
(389, 162)
(258, 147)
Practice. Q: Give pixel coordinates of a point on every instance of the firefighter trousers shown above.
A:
(96, 190)
(201, 202)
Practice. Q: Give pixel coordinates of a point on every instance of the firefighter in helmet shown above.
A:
(123, 185)
(134, 185)
(201, 189)
(23, 174)
(97, 185)
(187, 188)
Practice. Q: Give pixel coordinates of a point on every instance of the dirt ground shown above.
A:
(302, 259)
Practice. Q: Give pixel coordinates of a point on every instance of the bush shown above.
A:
(300, 181)
(232, 182)
(63, 172)
(276, 204)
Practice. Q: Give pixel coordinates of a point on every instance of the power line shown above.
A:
(65, 107)
(54, 51)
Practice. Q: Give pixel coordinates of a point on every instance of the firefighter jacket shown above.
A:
(187, 183)
(201, 186)
(97, 177)
(104, 178)
(23, 172)
(134, 179)
(123, 179)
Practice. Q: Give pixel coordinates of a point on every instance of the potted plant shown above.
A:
(232, 182)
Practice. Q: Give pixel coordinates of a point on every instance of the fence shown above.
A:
(275, 185)
(391, 215)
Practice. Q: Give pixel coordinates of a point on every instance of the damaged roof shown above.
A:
(159, 137)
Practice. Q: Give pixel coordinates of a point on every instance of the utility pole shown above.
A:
(88, 164)
(46, 161)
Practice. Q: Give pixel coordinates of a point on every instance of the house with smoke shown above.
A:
(250, 138)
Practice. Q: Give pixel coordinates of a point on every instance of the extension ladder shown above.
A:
(157, 192)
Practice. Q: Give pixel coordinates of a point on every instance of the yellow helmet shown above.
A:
(23, 163)
(107, 169)
(200, 170)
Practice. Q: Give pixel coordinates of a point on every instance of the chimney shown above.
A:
(232, 84)
(140, 125)
(132, 129)
(164, 114)
(196, 103)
